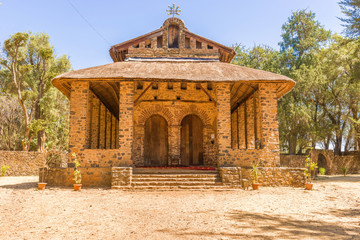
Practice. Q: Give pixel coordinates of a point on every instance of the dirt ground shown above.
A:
(331, 211)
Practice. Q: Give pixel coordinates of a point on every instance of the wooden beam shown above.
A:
(242, 101)
(175, 100)
(208, 94)
(141, 94)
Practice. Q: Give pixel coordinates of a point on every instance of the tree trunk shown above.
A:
(292, 144)
(338, 143)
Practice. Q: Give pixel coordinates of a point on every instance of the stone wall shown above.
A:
(174, 102)
(21, 163)
(326, 159)
(91, 177)
(268, 176)
(121, 176)
(240, 138)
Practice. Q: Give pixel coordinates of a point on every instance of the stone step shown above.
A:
(174, 183)
(212, 176)
(178, 179)
(177, 188)
(172, 171)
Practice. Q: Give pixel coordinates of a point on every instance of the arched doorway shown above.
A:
(322, 162)
(156, 141)
(192, 141)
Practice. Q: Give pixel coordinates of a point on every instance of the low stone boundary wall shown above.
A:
(268, 176)
(121, 176)
(91, 177)
(331, 162)
(22, 163)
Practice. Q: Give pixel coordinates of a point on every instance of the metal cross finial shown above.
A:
(174, 10)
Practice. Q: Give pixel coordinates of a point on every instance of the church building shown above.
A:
(172, 100)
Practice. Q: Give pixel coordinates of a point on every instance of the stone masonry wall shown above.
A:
(268, 176)
(91, 177)
(332, 164)
(24, 163)
(121, 176)
(174, 103)
(21, 163)
(254, 130)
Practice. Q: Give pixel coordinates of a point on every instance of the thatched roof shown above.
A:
(173, 71)
(104, 79)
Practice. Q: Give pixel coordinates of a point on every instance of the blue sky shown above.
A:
(227, 22)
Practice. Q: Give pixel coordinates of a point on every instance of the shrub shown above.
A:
(344, 170)
(4, 169)
(322, 171)
(255, 173)
(310, 168)
(77, 174)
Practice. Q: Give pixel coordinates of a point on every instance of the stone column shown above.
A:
(270, 155)
(174, 144)
(223, 122)
(80, 114)
(126, 122)
(95, 122)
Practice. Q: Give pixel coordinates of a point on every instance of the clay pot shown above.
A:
(41, 186)
(308, 186)
(255, 186)
(77, 187)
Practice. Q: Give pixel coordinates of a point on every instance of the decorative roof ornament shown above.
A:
(173, 10)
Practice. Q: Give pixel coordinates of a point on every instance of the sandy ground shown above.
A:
(331, 211)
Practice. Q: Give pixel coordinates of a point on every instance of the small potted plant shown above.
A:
(77, 174)
(44, 171)
(310, 168)
(255, 176)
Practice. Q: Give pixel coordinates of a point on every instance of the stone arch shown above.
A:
(192, 109)
(322, 162)
(174, 21)
(146, 113)
(328, 156)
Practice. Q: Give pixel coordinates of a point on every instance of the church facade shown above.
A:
(173, 99)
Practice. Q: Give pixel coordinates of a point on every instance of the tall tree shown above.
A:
(351, 9)
(302, 37)
(28, 65)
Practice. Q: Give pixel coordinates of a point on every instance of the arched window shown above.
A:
(173, 36)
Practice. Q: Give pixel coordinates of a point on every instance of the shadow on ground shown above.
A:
(248, 225)
(349, 178)
(25, 185)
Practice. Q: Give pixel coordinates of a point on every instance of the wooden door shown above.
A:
(173, 36)
(156, 141)
(192, 141)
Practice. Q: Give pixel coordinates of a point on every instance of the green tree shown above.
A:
(302, 38)
(28, 65)
(351, 9)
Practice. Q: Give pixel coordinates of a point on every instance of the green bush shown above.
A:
(344, 170)
(322, 171)
(4, 169)
(77, 174)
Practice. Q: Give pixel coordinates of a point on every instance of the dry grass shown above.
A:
(331, 211)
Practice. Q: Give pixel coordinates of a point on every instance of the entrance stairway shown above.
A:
(173, 179)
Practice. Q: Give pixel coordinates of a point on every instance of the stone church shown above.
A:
(171, 100)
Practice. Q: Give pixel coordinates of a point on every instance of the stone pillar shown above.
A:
(174, 144)
(102, 127)
(95, 122)
(79, 135)
(270, 155)
(223, 122)
(108, 130)
(126, 122)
